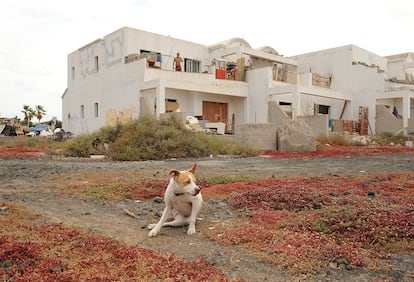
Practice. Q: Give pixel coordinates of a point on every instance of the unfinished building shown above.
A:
(130, 72)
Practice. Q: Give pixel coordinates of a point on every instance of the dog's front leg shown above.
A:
(194, 211)
(163, 219)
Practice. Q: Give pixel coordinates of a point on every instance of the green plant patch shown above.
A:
(224, 179)
(105, 192)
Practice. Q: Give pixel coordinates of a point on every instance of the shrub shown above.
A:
(152, 139)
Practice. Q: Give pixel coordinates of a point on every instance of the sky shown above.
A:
(37, 36)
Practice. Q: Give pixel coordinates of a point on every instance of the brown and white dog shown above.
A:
(183, 201)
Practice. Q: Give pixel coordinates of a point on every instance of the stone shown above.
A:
(295, 136)
(158, 200)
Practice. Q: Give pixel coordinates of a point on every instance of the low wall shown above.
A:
(258, 135)
(319, 124)
(386, 122)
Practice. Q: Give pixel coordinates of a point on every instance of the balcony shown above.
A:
(190, 81)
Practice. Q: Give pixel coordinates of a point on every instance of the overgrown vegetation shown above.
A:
(388, 138)
(151, 139)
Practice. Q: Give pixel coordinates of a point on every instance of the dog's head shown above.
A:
(185, 181)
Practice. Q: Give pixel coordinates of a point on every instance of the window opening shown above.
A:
(191, 65)
(96, 63)
(96, 110)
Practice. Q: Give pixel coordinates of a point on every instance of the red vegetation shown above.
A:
(37, 252)
(343, 151)
(19, 152)
(305, 223)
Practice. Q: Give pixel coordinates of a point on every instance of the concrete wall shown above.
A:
(410, 129)
(262, 136)
(318, 123)
(386, 122)
(276, 114)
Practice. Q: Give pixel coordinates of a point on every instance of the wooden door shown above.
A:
(214, 111)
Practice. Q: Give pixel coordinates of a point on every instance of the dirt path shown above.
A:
(27, 181)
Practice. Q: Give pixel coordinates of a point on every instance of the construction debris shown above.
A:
(131, 214)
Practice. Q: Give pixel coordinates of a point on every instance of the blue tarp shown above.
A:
(39, 128)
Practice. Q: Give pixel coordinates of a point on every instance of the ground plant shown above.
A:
(31, 251)
(304, 224)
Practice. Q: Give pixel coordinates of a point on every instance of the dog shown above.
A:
(183, 202)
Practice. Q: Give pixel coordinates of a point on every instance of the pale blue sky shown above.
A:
(37, 36)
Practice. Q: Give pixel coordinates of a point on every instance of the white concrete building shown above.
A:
(130, 72)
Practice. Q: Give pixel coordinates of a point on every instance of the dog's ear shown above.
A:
(174, 172)
(193, 168)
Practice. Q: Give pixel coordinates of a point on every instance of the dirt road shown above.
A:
(29, 182)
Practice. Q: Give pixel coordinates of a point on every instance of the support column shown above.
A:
(405, 112)
(160, 100)
(295, 103)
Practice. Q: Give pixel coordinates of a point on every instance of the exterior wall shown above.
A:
(137, 40)
(346, 66)
(112, 84)
(319, 124)
(257, 102)
(411, 127)
(387, 122)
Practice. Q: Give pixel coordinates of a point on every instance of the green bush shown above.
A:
(152, 139)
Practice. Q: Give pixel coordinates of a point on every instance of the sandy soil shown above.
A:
(29, 182)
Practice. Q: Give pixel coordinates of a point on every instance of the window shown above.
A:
(82, 112)
(96, 63)
(278, 72)
(191, 65)
(96, 110)
(323, 109)
(285, 103)
(73, 72)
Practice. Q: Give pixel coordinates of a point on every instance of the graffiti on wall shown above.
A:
(113, 117)
(102, 53)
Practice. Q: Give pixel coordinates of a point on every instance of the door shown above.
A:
(214, 111)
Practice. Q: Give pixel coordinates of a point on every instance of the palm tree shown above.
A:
(28, 114)
(39, 112)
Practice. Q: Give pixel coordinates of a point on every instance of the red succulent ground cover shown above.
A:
(304, 224)
(343, 151)
(22, 151)
(38, 252)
